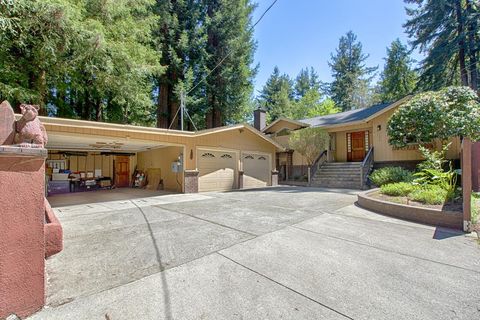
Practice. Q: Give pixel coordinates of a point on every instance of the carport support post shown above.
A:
(22, 240)
(467, 183)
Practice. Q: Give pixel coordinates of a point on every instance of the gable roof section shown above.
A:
(240, 126)
(295, 122)
(353, 116)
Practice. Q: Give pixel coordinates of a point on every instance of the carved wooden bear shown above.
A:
(30, 131)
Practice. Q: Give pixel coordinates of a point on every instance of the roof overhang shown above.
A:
(368, 119)
(240, 126)
(295, 122)
(69, 142)
(67, 135)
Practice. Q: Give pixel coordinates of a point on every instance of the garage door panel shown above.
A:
(217, 170)
(256, 168)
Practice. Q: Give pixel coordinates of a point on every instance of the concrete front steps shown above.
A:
(338, 175)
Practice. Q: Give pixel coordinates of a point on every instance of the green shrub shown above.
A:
(429, 194)
(390, 175)
(475, 207)
(399, 189)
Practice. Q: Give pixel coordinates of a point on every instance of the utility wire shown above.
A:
(218, 65)
(231, 51)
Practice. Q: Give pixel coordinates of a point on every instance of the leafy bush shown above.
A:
(450, 112)
(475, 207)
(429, 194)
(399, 189)
(390, 175)
(433, 159)
(431, 171)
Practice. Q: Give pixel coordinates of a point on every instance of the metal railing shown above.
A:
(321, 159)
(365, 167)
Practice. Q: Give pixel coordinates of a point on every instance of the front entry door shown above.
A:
(356, 152)
(122, 171)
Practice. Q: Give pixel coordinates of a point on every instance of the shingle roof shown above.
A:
(345, 117)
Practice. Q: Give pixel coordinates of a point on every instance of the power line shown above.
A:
(231, 51)
(182, 108)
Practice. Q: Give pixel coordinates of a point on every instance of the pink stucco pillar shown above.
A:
(22, 243)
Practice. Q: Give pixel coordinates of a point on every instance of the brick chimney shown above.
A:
(259, 119)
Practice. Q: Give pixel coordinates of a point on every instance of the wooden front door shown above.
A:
(356, 146)
(122, 171)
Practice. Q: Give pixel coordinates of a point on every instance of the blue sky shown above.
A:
(300, 33)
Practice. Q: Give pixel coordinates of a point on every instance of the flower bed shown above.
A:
(446, 216)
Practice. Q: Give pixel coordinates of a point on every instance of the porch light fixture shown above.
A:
(379, 127)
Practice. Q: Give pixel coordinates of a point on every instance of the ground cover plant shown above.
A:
(388, 175)
(434, 182)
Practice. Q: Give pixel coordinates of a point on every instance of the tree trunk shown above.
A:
(461, 43)
(472, 49)
(98, 111)
(217, 118)
(162, 105)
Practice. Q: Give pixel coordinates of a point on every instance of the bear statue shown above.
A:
(30, 132)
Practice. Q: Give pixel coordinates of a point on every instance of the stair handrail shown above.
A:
(365, 167)
(319, 161)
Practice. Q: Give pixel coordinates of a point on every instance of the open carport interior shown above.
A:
(83, 163)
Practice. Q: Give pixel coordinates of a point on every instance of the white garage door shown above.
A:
(256, 170)
(217, 170)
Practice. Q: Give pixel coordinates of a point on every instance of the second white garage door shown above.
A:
(256, 170)
(217, 170)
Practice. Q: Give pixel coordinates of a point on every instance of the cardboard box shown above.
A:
(60, 176)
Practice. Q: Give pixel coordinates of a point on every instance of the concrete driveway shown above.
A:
(276, 253)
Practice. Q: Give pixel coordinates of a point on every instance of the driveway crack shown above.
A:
(287, 287)
(384, 249)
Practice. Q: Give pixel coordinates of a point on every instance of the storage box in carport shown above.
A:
(57, 187)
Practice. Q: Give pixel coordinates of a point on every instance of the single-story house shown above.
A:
(354, 136)
(219, 159)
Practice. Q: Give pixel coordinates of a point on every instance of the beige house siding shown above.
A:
(166, 145)
(385, 152)
(282, 125)
(379, 140)
(162, 159)
(297, 158)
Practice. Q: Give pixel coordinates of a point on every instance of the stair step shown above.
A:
(342, 163)
(337, 185)
(338, 171)
(340, 181)
(338, 175)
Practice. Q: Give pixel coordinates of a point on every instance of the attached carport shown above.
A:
(219, 159)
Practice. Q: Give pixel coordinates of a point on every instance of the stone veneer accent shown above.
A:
(424, 215)
(191, 181)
